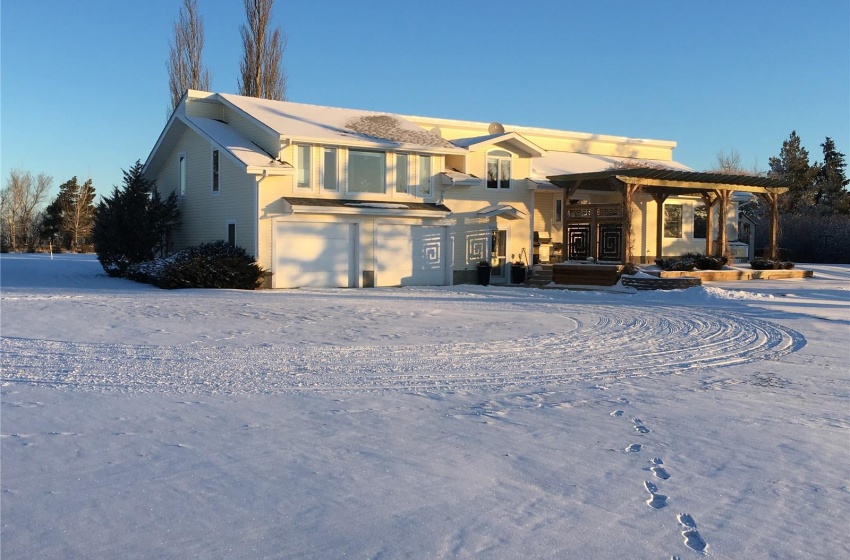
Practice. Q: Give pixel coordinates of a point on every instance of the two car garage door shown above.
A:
(320, 254)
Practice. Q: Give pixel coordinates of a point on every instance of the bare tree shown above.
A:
(185, 67)
(730, 164)
(20, 200)
(261, 69)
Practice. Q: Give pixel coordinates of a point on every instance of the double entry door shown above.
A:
(603, 241)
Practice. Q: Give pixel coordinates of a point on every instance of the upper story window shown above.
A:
(215, 183)
(367, 172)
(498, 169)
(303, 166)
(425, 178)
(673, 220)
(402, 173)
(329, 170)
(181, 166)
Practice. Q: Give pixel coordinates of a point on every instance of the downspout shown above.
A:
(257, 214)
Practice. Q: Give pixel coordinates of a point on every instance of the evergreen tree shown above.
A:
(793, 166)
(69, 218)
(134, 224)
(831, 181)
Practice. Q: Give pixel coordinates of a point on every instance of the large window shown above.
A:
(424, 175)
(215, 184)
(498, 169)
(673, 220)
(303, 166)
(329, 178)
(700, 221)
(366, 172)
(402, 173)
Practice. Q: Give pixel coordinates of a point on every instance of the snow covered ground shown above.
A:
(467, 422)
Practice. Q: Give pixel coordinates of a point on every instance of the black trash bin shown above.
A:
(518, 271)
(484, 273)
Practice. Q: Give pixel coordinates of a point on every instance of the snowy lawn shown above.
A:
(465, 422)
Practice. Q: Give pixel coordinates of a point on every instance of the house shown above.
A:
(332, 197)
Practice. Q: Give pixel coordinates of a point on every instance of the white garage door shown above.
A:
(410, 255)
(313, 254)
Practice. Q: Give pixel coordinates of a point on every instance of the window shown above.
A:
(302, 163)
(231, 234)
(402, 173)
(672, 220)
(424, 175)
(700, 221)
(498, 169)
(329, 180)
(181, 187)
(559, 210)
(366, 172)
(215, 185)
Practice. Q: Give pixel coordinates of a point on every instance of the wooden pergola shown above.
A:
(715, 189)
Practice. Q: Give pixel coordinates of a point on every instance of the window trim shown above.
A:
(230, 223)
(421, 180)
(499, 156)
(325, 150)
(181, 174)
(405, 191)
(348, 190)
(671, 206)
(308, 168)
(216, 173)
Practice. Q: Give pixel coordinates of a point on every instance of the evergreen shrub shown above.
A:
(208, 265)
(767, 264)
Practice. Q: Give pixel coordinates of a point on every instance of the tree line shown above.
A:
(814, 215)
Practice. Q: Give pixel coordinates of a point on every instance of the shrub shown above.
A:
(705, 262)
(676, 263)
(208, 265)
(767, 264)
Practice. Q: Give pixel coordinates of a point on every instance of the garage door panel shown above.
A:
(410, 255)
(313, 254)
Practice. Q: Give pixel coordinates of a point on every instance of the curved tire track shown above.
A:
(607, 341)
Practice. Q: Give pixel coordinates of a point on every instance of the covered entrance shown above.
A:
(604, 231)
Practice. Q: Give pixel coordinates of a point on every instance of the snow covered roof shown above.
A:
(331, 125)
(505, 210)
(512, 139)
(245, 151)
(564, 163)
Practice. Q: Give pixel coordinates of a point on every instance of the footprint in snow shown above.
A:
(658, 470)
(617, 413)
(639, 427)
(633, 448)
(693, 539)
(623, 400)
(656, 500)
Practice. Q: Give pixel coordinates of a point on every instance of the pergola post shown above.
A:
(568, 192)
(723, 238)
(628, 190)
(773, 246)
(659, 223)
(709, 199)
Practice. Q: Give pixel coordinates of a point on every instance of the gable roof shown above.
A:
(300, 122)
(512, 140)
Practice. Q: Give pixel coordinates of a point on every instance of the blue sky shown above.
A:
(85, 89)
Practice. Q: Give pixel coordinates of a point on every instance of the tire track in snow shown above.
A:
(606, 342)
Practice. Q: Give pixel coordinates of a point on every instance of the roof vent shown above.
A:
(496, 128)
